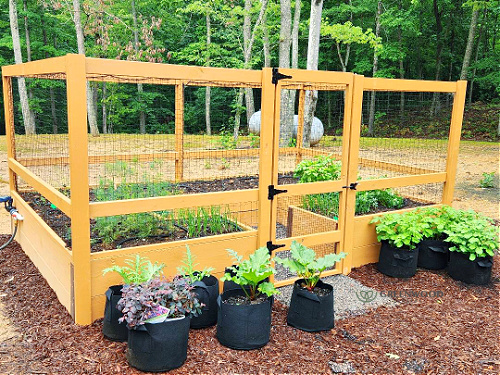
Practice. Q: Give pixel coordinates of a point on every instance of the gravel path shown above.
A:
(351, 298)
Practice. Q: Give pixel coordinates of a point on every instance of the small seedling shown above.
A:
(188, 268)
(488, 180)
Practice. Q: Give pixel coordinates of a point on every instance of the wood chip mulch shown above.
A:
(456, 333)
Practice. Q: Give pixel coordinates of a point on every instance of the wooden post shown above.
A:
(79, 178)
(179, 131)
(454, 141)
(300, 125)
(266, 157)
(350, 155)
(8, 102)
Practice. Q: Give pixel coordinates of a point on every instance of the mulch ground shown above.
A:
(456, 333)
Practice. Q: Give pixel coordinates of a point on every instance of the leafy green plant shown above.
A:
(306, 265)
(488, 180)
(188, 268)
(141, 302)
(251, 274)
(139, 270)
(472, 234)
(227, 141)
(321, 168)
(398, 229)
(254, 141)
(292, 142)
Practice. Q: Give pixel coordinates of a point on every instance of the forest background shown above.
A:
(413, 39)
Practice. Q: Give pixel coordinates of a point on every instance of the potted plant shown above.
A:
(139, 270)
(244, 314)
(158, 314)
(206, 289)
(311, 305)
(433, 251)
(473, 242)
(399, 237)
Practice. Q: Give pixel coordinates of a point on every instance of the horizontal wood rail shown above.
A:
(138, 70)
(133, 206)
(407, 85)
(61, 201)
(321, 238)
(385, 183)
(315, 77)
(311, 188)
(52, 65)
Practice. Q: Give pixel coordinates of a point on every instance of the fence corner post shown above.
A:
(76, 82)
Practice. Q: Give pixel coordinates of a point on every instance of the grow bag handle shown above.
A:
(407, 256)
(308, 295)
(437, 249)
(486, 263)
(203, 287)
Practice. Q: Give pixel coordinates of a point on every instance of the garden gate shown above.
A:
(78, 178)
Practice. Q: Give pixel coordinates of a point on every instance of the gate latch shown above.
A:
(352, 186)
(277, 76)
(273, 192)
(271, 247)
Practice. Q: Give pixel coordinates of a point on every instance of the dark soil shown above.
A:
(455, 334)
(244, 300)
(320, 292)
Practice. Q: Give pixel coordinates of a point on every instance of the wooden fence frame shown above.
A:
(76, 275)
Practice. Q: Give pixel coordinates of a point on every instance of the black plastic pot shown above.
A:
(310, 312)
(207, 291)
(397, 262)
(433, 254)
(243, 327)
(158, 347)
(111, 328)
(476, 271)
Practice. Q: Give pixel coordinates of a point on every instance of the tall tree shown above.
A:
(29, 122)
(312, 64)
(286, 112)
(470, 41)
(208, 126)
(140, 89)
(80, 38)
(371, 116)
(439, 51)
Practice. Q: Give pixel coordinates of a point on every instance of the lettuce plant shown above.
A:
(139, 270)
(188, 268)
(141, 302)
(251, 274)
(306, 265)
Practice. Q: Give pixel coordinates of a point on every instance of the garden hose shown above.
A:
(15, 215)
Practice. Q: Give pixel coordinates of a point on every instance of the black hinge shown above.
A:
(277, 76)
(271, 247)
(273, 192)
(352, 186)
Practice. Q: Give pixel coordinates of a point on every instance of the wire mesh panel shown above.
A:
(404, 134)
(41, 129)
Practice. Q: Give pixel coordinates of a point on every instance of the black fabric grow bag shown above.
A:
(476, 271)
(433, 254)
(397, 262)
(207, 291)
(231, 285)
(111, 328)
(158, 347)
(310, 312)
(243, 327)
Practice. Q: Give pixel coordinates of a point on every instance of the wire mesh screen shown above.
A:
(218, 145)
(404, 133)
(316, 117)
(41, 129)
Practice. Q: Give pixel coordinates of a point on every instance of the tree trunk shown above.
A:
(53, 111)
(295, 47)
(208, 125)
(371, 116)
(237, 117)
(312, 64)
(435, 106)
(247, 36)
(140, 89)
(286, 112)
(91, 110)
(470, 43)
(29, 122)
(266, 43)
(401, 72)
(104, 109)
(476, 57)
